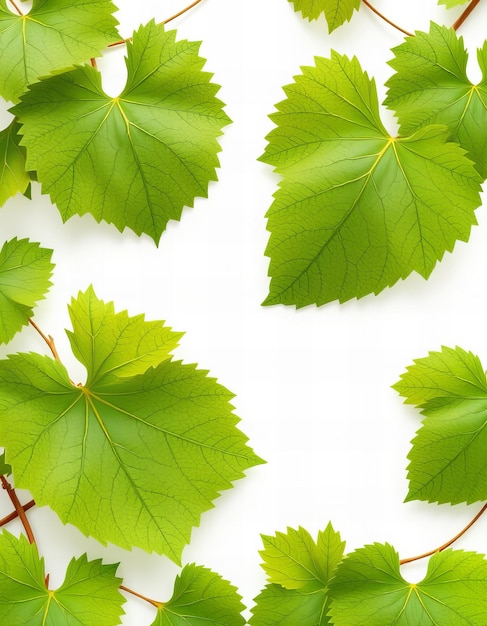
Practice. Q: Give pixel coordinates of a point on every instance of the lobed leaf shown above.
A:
(357, 210)
(135, 160)
(368, 589)
(53, 35)
(134, 460)
(277, 606)
(25, 270)
(431, 86)
(13, 176)
(448, 457)
(89, 594)
(336, 12)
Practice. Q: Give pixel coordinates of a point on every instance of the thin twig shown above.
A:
(48, 339)
(93, 63)
(448, 543)
(19, 508)
(16, 8)
(10, 518)
(465, 14)
(134, 593)
(383, 17)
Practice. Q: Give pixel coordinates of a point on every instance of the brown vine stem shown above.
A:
(10, 518)
(138, 595)
(166, 21)
(18, 508)
(448, 543)
(383, 17)
(465, 14)
(16, 8)
(48, 339)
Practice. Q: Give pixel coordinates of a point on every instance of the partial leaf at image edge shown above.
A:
(447, 458)
(149, 453)
(135, 160)
(89, 594)
(356, 209)
(337, 12)
(13, 176)
(25, 272)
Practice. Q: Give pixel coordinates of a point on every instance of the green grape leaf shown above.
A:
(200, 597)
(300, 570)
(431, 86)
(448, 457)
(13, 177)
(132, 460)
(357, 209)
(135, 160)
(54, 35)
(89, 594)
(368, 589)
(336, 11)
(25, 269)
(5, 469)
(452, 3)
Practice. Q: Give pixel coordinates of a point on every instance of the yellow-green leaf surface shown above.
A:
(201, 597)
(53, 35)
(336, 11)
(89, 595)
(430, 86)
(13, 176)
(357, 209)
(135, 160)
(449, 453)
(369, 590)
(25, 270)
(129, 459)
(452, 3)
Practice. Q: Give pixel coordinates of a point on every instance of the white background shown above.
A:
(312, 386)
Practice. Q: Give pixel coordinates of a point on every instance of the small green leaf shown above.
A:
(5, 469)
(368, 589)
(431, 86)
(357, 210)
(336, 11)
(54, 35)
(13, 177)
(135, 160)
(452, 3)
(201, 596)
(25, 269)
(89, 594)
(133, 460)
(277, 606)
(449, 453)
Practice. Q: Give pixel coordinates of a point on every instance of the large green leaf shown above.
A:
(368, 589)
(431, 86)
(13, 176)
(130, 459)
(25, 269)
(55, 34)
(89, 595)
(300, 570)
(357, 209)
(449, 453)
(201, 597)
(336, 11)
(135, 160)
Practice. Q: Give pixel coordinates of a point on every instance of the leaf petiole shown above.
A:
(383, 17)
(138, 595)
(10, 518)
(48, 339)
(465, 14)
(18, 508)
(16, 7)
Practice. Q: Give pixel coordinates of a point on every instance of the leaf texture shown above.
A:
(357, 210)
(448, 457)
(336, 11)
(25, 270)
(13, 176)
(431, 86)
(53, 35)
(135, 160)
(89, 595)
(133, 459)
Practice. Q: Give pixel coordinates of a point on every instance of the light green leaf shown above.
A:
(357, 210)
(368, 589)
(13, 177)
(89, 595)
(336, 11)
(452, 3)
(54, 35)
(25, 269)
(301, 570)
(449, 453)
(135, 160)
(431, 86)
(201, 597)
(131, 460)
